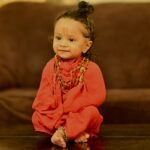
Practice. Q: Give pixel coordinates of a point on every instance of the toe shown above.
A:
(87, 135)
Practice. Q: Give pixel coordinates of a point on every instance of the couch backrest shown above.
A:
(121, 48)
(24, 45)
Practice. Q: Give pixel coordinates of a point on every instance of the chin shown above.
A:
(65, 57)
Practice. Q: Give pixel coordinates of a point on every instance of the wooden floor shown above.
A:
(111, 143)
(112, 137)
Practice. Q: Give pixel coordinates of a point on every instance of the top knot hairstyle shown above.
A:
(84, 9)
(81, 14)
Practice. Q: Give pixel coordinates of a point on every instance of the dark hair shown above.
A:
(81, 14)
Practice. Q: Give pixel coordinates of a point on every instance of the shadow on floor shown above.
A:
(93, 144)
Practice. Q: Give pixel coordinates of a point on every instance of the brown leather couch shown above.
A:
(121, 49)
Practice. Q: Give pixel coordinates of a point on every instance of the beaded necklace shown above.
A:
(75, 74)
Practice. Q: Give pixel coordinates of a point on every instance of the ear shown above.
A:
(87, 45)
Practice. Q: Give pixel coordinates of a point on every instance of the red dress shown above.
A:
(75, 107)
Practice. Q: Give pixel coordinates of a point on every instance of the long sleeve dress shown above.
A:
(75, 107)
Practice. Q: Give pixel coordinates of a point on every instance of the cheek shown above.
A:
(55, 44)
(54, 48)
(73, 46)
(76, 45)
(81, 47)
(84, 46)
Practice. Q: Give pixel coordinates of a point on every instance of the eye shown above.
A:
(58, 37)
(71, 40)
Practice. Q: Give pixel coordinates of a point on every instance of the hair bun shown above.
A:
(85, 8)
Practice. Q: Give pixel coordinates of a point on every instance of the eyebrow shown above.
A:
(57, 33)
(70, 36)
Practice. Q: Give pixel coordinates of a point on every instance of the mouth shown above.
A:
(62, 50)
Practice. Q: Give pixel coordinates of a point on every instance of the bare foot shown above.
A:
(83, 138)
(58, 139)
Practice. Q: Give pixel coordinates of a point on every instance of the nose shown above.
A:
(63, 43)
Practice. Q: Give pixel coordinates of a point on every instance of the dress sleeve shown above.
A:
(44, 99)
(47, 109)
(91, 92)
(94, 85)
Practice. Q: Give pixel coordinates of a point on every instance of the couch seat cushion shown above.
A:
(15, 105)
(127, 106)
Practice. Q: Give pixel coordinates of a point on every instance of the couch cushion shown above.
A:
(122, 44)
(7, 79)
(127, 106)
(16, 105)
(121, 106)
(24, 44)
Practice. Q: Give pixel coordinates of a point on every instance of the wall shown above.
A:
(2, 2)
(103, 1)
(70, 2)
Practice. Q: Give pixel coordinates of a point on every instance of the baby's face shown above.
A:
(69, 40)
